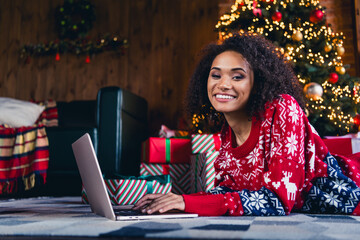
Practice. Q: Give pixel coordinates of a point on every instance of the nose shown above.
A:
(225, 83)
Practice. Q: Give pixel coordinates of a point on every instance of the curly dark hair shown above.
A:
(273, 75)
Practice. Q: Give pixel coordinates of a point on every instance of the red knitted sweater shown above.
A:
(283, 166)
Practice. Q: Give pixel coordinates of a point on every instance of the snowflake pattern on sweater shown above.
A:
(283, 166)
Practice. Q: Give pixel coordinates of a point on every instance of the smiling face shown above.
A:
(230, 83)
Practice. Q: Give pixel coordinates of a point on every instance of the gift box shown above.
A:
(179, 173)
(166, 150)
(201, 143)
(343, 145)
(128, 190)
(202, 171)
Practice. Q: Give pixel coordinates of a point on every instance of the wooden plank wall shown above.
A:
(357, 24)
(164, 38)
(341, 16)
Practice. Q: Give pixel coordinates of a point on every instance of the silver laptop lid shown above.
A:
(91, 177)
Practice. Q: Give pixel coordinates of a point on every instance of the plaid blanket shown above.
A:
(49, 117)
(24, 153)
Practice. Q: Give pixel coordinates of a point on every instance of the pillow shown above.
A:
(18, 113)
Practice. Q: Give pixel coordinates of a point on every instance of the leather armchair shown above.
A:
(117, 124)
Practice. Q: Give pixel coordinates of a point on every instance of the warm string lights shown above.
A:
(298, 27)
(336, 114)
(196, 120)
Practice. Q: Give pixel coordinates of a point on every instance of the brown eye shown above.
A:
(215, 76)
(238, 77)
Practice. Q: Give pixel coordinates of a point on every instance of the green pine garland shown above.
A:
(81, 46)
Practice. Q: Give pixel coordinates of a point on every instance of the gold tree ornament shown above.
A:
(313, 91)
(328, 47)
(297, 36)
(340, 50)
(340, 69)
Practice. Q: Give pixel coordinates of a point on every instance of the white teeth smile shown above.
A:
(224, 96)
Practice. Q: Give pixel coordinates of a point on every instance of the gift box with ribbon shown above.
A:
(202, 171)
(179, 173)
(343, 145)
(125, 190)
(166, 150)
(202, 143)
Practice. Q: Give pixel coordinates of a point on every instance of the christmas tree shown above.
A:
(300, 30)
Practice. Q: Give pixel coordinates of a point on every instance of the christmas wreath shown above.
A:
(74, 18)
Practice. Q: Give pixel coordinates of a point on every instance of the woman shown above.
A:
(271, 161)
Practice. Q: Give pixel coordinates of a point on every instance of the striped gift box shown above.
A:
(202, 143)
(179, 173)
(129, 191)
(196, 162)
(202, 171)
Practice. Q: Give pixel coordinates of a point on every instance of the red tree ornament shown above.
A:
(333, 78)
(357, 120)
(276, 16)
(57, 57)
(316, 16)
(87, 60)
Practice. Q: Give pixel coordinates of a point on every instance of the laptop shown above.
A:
(95, 188)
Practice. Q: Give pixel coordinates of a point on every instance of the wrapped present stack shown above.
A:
(205, 149)
(343, 145)
(168, 155)
(128, 190)
(189, 160)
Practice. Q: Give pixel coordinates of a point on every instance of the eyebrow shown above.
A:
(233, 69)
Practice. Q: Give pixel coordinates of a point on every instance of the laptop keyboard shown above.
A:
(129, 212)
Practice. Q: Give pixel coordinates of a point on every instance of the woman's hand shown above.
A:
(158, 202)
